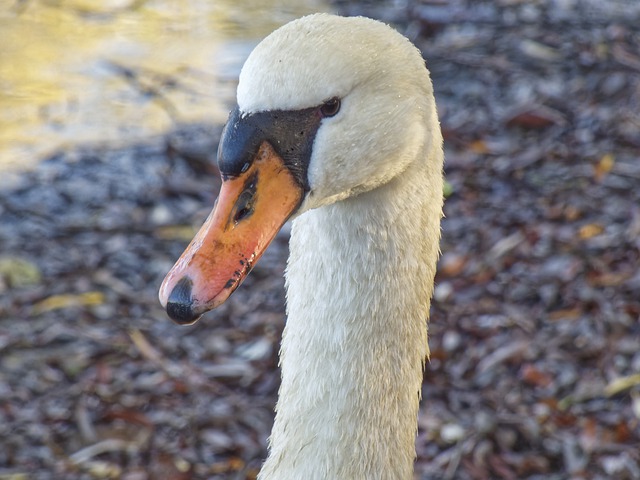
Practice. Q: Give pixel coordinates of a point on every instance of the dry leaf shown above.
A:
(535, 117)
(108, 445)
(451, 264)
(622, 383)
(479, 146)
(57, 302)
(572, 213)
(589, 436)
(101, 469)
(19, 272)
(623, 433)
(565, 314)
(534, 376)
(539, 51)
(168, 467)
(609, 279)
(145, 348)
(233, 464)
(176, 232)
(590, 230)
(604, 166)
(447, 189)
(130, 416)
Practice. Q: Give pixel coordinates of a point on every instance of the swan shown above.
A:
(336, 128)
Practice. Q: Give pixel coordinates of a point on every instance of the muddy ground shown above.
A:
(535, 331)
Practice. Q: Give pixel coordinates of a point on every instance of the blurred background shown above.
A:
(121, 71)
(110, 113)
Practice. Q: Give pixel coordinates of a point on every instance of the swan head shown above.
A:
(328, 107)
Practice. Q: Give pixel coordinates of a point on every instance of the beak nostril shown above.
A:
(245, 203)
(180, 303)
(242, 213)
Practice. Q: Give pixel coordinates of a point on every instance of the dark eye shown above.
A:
(330, 107)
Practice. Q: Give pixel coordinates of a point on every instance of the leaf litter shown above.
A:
(534, 333)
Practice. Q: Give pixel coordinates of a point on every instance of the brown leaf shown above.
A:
(608, 279)
(479, 146)
(104, 373)
(452, 264)
(604, 166)
(502, 468)
(564, 419)
(130, 416)
(167, 467)
(589, 438)
(233, 464)
(566, 314)
(572, 213)
(590, 230)
(623, 433)
(535, 117)
(533, 376)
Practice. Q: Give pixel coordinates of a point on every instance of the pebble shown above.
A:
(161, 215)
(452, 433)
(451, 340)
(484, 422)
(442, 291)
(258, 350)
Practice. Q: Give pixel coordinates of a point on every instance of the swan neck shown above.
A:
(359, 282)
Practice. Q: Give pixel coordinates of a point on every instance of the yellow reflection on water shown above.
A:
(116, 71)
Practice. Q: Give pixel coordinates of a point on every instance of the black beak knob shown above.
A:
(180, 303)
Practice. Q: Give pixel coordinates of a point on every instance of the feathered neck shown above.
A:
(359, 282)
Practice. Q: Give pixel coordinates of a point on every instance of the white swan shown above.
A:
(336, 126)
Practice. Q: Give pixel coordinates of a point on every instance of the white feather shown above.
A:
(363, 248)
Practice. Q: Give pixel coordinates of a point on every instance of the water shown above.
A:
(112, 72)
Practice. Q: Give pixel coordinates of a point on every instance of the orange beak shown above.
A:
(249, 212)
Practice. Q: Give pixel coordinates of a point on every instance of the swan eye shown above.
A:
(330, 107)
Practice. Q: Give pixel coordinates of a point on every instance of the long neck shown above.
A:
(359, 282)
